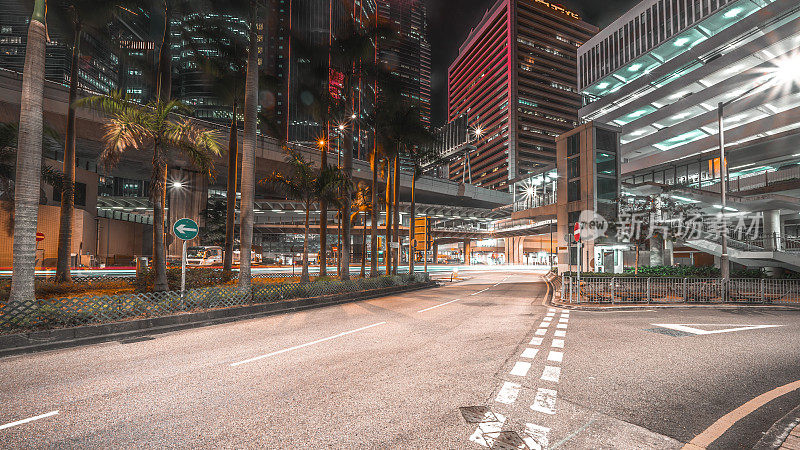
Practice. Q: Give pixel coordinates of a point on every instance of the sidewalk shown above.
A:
(792, 441)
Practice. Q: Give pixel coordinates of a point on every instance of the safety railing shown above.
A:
(678, 290)
(60, 312)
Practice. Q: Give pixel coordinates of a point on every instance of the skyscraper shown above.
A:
(407, 53)
(515, 79)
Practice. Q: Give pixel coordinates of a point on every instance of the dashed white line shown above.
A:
(545, 401)
(564, 319)
(541, 331)
(520, 368)
(551, 310)
(296, 347)
(536, 341)
(560, 333)
(508, 393)
(558, 343)
(555, 356)
(537, 436)
(29, 419)
(551, 373)
(436, 306)
(482, 290)
(530, 353)
(561, 325)
(544, 324)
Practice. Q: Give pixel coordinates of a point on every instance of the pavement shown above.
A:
(476, 363)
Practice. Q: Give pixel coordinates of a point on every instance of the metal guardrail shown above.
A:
(678, 290)
(59, 312)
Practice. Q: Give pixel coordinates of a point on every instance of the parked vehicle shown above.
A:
(204, 256)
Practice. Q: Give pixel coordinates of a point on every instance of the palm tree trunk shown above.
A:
(364, 247)
(230, 219)
(344, 224)
(323, 221)
(304, 278)
(373, 263)
(164, 89)
(159, 198)
(388, 251)
(396, 198)
(248, 159)
(412, 232)
(68, 181)
(29, 161)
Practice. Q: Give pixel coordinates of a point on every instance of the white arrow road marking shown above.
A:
(537, 436)
(508, 393)
(306, 344)
(29, 419)
(691, 327)
(545, 401)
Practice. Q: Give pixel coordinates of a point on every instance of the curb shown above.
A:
(777, 434)
(35, 341)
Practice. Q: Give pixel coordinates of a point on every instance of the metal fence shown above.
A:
(678, 290)
(59, 312)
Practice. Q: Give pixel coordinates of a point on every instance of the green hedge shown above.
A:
(675, 272)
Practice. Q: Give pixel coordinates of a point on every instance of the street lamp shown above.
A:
(785, 72)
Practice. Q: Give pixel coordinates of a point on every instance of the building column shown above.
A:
(772, 230)
(656, 250)
(669, 247)
(467, 251)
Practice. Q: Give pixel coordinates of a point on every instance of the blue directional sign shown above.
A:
(186, 229)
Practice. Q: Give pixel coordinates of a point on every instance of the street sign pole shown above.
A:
(577, 235)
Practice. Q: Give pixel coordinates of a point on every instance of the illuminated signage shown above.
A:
(559, 8)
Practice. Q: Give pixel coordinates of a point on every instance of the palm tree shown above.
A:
(373, 164)
(82, 14)
(29, 160)
(130, 126)
(362, 205)
(303, 183)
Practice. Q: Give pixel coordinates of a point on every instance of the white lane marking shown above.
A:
(555, 356)
(521, 368)
(558, 343)
(686, 328)
(508, 393)
(536, 341)
(544, 324)
(29, 419)
(564, 319)
(296, 347)
(537, 436)
(552, 310)
(551, 314)
(530, 353)
(481, 434)
(482, 290)
(545, 401)
(560, 333)
(541, 331)
(551, 373)
(561, 325)
(436, 306)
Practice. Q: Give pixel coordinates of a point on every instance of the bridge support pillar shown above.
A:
(772, 230)
(467, 251)
(657, 250)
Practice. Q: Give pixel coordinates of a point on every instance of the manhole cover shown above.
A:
(507, 440)
(135, 340)
(668, 332)
(478, 414)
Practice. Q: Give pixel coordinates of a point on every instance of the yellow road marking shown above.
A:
(712, 433)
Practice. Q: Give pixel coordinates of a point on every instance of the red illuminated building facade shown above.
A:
(515, 77)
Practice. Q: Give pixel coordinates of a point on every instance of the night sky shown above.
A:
(451, 20)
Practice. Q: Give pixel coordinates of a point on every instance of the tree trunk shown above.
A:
(304, 278)
(230, 218)
(68, 181)
(323, 220)
(364, 248)
(396, 199)
(248, 159)
(29, 162)
(388, 251)
(158, 190)
(373, 244)
(636, 263)
(412, 226)
(344, 224)
(164, 81)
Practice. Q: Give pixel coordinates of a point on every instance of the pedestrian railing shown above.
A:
(678, 290)
(60, 312)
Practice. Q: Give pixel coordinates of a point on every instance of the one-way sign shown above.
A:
(185, 229)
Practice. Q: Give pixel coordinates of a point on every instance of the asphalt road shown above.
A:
(394, 372)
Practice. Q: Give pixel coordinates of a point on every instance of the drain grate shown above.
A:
(507, 440)
(478, 414)
(135, 340)
(668, 332)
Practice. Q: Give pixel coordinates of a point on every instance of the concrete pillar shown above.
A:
(772, 230)
(520, 248)
(467, 251)
(657, 250)
(435, 253)
(669, 247)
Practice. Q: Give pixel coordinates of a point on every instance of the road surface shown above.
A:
(395, 372)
